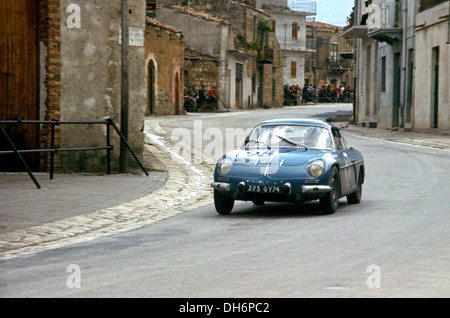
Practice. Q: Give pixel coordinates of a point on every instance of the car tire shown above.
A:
(330, 201)
(355, 197)
(257, 202)
(223, 203)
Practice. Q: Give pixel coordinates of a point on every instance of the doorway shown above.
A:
(435, 88)
(238, 87)
(396, 92)
(19, 79)
(237, 101)
(151, 88)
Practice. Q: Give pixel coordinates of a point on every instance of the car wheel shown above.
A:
(257, 202)
(223, 203)
(330, 201)
(355, 197)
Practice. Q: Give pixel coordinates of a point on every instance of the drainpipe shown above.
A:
(448, 19)
(404, 53)
(124, 98)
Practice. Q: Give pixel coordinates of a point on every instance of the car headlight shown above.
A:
(225, 166)
(316, 168)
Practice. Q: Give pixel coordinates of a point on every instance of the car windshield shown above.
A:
(290, 135)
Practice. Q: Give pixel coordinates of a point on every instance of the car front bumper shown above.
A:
(297, 191)
(221, 186)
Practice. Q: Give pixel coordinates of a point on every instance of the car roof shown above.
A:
(297, 121)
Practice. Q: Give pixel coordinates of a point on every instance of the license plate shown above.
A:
(263, 189)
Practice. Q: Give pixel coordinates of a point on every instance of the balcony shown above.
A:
(266, 55)
(385, 22)
(295, 44)
(355, 31)
(338, 66)
(308, 7)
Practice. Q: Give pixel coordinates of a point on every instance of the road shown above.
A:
(394, 244)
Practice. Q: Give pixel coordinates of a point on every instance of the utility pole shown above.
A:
(448, 18)
(124, 97)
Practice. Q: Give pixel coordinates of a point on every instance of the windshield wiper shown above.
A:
(292, 142)
(259, 142)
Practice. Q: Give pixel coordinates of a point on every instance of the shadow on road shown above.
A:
(283, 210)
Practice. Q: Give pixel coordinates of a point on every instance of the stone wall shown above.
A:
(50, 81)
(91, 80)
(202, 72)
(431, 33)
(164, 47)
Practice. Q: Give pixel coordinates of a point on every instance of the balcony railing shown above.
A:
(303, 6)
(385, 21)
(266, 55)
(385, 16)
(339, 65)
(289, 43)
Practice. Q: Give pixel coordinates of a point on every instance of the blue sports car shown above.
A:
(290, 160)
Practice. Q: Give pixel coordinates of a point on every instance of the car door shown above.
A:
(346, 163)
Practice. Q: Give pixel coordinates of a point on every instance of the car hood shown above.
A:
(282, 157)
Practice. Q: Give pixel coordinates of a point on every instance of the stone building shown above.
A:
(64, 64)
(432, 94)
(366, 103)
(251, 66)
(290, 29)
(208, 36)
(402, 64)
(200, 70)
(164, 52)
(331, 62)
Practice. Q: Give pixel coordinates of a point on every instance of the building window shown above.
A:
(383, 74)
(255, 28)
(334, 51)
(294, 30)
(293, 69)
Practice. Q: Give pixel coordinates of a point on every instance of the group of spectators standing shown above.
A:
(193, 99)
(294, 95)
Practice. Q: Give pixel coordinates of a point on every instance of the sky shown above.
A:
(334, 11)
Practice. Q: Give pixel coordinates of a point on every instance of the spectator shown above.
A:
(212, 95)
(201, 95)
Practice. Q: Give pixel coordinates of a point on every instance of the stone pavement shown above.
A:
(81, 207)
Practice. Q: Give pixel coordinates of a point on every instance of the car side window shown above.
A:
(337, 139)
(344, 141)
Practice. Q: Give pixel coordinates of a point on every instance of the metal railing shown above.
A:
(386, 16)
(339, 64)
(296, 44)
(303, 6)
(53, 150)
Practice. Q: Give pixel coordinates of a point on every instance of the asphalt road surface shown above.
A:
(395, 243)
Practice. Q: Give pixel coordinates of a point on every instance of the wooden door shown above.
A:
(19, 78)
(237, 102)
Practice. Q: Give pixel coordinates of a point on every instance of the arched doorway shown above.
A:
(151, 83)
